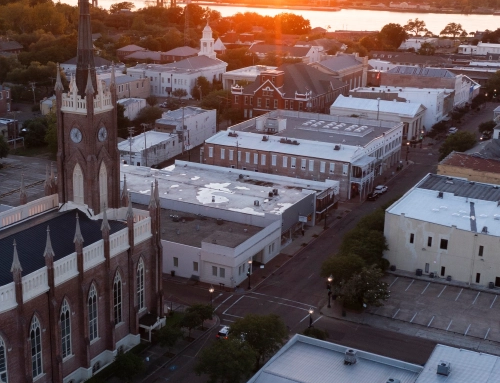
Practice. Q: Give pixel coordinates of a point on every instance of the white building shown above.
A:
(216, 220)
(438, 102)
(199, 124)
(248, 74)
(482, 49)
(381, 65)
(416, 42)
(449, 227)
(132, 106)
(411, 114)
(47, 105)
(149, 148)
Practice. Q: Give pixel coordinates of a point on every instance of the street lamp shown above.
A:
(329, 288)
(249, 273)
(311, 317)
(407, 151)
(211, 291)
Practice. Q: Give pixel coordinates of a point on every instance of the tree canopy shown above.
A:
(4, 147)
(453, 29)
(393, 35)
(458, 142)
(415, 26)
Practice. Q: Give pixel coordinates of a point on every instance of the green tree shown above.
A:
(4, 147)
(314, 332)
(368, 244)
(290, 23)
(147, 115)
(438, 128)
(34, 132)
(452, 29)
(204, 312)
(493, 85)
(487, 126)
(51, 133)
(179, 93)
(152, 100)
(190, 320)
(392, 35)
(201, 84)
(365, 289)
(458, 142)
(226, 361)
(216, 100)
(122, 122)
(264, 333)
(127, 365)
(427, 49)
(168, 336)
(118, 7)
(341, 268)
(415, 26)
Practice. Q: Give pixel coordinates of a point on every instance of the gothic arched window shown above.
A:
(36, 347)
(140, 284)
(65, 329)
(92, 309)
(103, 186)
(3, 362)
(117, 298)
(78, 185)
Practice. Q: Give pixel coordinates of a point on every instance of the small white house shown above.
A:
(149, 148)
(132, 106)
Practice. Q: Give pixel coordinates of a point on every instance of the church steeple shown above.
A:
(85, 67)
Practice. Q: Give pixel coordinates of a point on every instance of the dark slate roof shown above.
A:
(340, 62)
(425, 72)
(10, 46)
(196, 62)
(461, 187)
(280, 50)
(31, 241)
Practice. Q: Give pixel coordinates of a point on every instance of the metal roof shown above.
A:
(340, 62)
(409, 109)
(181, 51)
(418, 71)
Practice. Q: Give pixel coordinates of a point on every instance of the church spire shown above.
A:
(85, 67)
(78, 233)
(49, 252)
(16, 265)
(59, 86)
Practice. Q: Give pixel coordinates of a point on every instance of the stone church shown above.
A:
(80, 269)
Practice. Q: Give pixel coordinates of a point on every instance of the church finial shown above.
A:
(49, 252)
(23, 197)
(113, 80)
(105, 223)
(157, 193)
(130, 211)
(152, 199)
(59, 86)
(85, 51)
(16, 265)
(78, 233)
(89, 88)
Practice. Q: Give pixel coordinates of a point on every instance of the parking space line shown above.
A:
(449, 325)
(442, 291)
(317, 319)
(459, 294)
(413, 317)
(393, 282)
(492, 303)
(466, 331)
(430, 321)
(422, 293)
(411, 283)
(487, 332)
(477, 296)
(283, 299)
(227, 320)
(223, 302)
(303, 319)
(284, 304)
(394, 316)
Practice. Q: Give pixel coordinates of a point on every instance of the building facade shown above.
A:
(245, 75)
(348, 68)
(470, 167)
(5, 100)
(483, 49)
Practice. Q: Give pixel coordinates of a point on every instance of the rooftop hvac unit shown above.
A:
(241, 176)
(485, 230)
(392, 380)
(256, 202)
(336, 147)
(271, 194)
(443, 368)
(350, 357)
(275, 191)
(440, 194)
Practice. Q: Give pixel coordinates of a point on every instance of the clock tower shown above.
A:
(87, 154)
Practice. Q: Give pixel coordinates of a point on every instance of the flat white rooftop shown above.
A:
(220, 187)
(397, 89)
(407, 109)
(189, 111)
(139, 142)
(470, 206)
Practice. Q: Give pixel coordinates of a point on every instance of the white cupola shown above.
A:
(207, 43)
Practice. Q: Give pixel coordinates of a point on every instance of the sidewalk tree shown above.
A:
(204, 312)
(228, 360)
(264, 333)
(4, 147)
(415, 26)
(151, 100)
(314, 332)
(368, 244)
(487, 126)
(458, 142)
(203, 84)
(190, 321)
(365, 289)
(179, 93)
(168, 336)
(341, 268)
(438, 129)
(127, 365)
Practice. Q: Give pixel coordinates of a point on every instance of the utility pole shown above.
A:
(130, 131)
(32, 83)
(144, 125)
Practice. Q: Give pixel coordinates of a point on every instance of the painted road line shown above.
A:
(217, 297)
(430, 321)
(487, 332)
(449, 325)
(229, 308)
(492, 303)
(310, 276)
(303, 319)
(466, 331)
(223, 302)
(413, 317)
(442, 291)
(411, 283)
(459, 294)
(227, 320)
(283, 299)
(393, 282)
(394, 316)
(318, 319)
(284, 304)
(475, 299)
(422, 293)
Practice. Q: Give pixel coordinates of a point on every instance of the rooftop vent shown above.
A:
(232, 134)
(256, 202)
(265, 138)
(241, 176)
(350, 357)
(271, 194)
(336, 147)
(440, 194)
(485, 230)
(392, 380)
(213, 198)
(443, 368)
(275, 191)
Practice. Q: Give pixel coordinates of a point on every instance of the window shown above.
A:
(311, 165)
(481, 249)
(117, 298)
(222, 153)
(3, 362)
(262, 159)
(247, 157)
(303, 164)
(429, 241)
(285, 161)
(140, 284)
(412, 238)
(259, 103)
(239, 156)
(195, 266)
(322, 166)
(273, 160)
(275, 104)
(36, 347)
(286, 104)
(222, 272)
(65, 329)
(291, 104)
(332, 167)
(478, 277)
(255, 158)
(231, 153)
(268, 103)
(426, 267)
(176, 262)
(236, 99)
(214, 271)
(210, 151)
(293, 163)
(92, 308)
(444, 244)
(345, 169)
(443, 271)
(246, 100)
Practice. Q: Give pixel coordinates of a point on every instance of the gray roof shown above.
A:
(408, 58)
(10, 45)
(409, 109)
(425, 72)
(119, 79)
(280, 50)
(130, 48)
(486, 149)
(181, 51)
(144, 55)
(340, 62)
(197, 62)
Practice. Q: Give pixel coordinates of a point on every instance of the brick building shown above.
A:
(349, 68)
(80, 269)
(296, 87)
(5, 100)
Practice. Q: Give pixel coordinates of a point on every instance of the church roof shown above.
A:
(31, 241)
(197, 62)
(181, 51)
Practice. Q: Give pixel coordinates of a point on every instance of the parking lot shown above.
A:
(442, 306)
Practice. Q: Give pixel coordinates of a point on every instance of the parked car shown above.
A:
(485, 136)
(380, 189)
(452, 130)
(223, 333)
(373, 196)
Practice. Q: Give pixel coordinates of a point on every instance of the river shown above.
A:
(357, 19)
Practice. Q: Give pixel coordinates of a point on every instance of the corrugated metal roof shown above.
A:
(365, 104)
(340, 62)
(418, 71)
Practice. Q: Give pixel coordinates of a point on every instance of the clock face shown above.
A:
(102, 134)
(76, 135)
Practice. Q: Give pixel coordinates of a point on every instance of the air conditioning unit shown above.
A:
(271, 194)
(256, 202)
(350, 357)
(443, 368)
(440, 194)
(337, 147)
(392, 380)
(275, 191)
